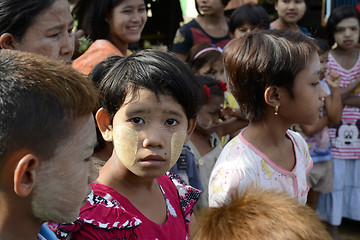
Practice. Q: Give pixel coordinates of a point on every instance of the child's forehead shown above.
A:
(142, 95)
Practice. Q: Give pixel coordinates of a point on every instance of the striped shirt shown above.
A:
(345, 137)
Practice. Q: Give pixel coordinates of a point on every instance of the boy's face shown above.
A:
(149, 132)
(240, 31)
(62, 183)
(323, 64)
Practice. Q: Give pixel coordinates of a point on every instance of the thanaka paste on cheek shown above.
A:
(126, 144)
(177, 142)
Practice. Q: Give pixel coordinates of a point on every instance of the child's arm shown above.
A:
(232, 121)
(333, 103)
(348, 90)
(353, 101)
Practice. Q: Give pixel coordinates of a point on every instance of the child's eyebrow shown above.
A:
(171, 112)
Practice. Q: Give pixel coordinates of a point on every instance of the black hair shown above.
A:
(157, 71)
(16, 16)
(337, 15)
(213, 86)
(91, 17)
(99, 70)
(250, 13)
(323, 45)
(224, 3)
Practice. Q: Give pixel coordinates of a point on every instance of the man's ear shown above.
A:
(104, 124)
(190, 129)
(272, 96)
(8, 41)
(24, 175)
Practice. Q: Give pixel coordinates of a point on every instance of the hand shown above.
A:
(333, 79)
(226, 113)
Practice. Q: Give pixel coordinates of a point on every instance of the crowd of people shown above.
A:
(248, 128)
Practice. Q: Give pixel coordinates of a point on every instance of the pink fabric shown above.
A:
(97, 52)
(109, 215)
(345, 137)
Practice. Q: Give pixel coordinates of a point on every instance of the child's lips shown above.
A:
(154, 159)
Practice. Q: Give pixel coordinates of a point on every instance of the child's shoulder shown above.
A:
(103, 210)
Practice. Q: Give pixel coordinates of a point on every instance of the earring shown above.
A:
(276, 110)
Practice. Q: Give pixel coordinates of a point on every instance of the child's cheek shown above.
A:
(126, 144)
(177, 142)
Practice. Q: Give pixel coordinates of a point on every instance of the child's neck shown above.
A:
(347, 58)
(280, 24)
(271, 139)
(201, 141)
(214, 25)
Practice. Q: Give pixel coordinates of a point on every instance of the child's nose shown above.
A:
(322, 93)
(153, 138)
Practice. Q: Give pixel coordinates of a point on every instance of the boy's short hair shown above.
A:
(250, 13)
(337, 15)
(261, 215)
(158, 71)
(322, 45)
(262, 59)
(39, 98)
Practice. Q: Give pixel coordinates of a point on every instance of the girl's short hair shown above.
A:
(224, 2)
(337, 15)
(262, 59)
(250, 13)
(91, 17)
(18, 15)
(158, 71)
(200, 54)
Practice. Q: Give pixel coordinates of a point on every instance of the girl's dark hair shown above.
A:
(211, 87)
(337, 15)
(91, 17)
(250, 13)
(224, 2)
(157, 71)
(209, 56)
(16, 16)
(261, 59)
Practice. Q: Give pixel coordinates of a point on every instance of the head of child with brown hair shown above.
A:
(47, 135)
(260, 214)
(264, 71)
(206, 60)
(274, 76)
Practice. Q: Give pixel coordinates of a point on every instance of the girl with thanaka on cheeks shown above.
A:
(290, 12)
(274, 76)
(149, 107)
(111, 25)
(343, 28)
